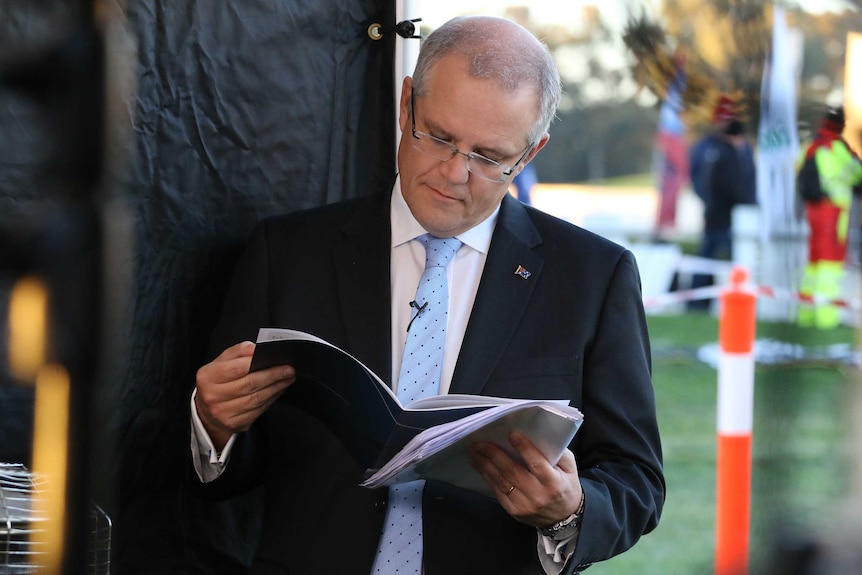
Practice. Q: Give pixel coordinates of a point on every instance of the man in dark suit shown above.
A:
(538, 308)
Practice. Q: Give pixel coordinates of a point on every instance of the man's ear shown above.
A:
(542, 141)
(404, 104)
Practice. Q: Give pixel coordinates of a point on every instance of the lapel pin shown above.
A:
(520, 271)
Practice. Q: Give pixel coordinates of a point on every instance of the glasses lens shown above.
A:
(485, 168)
(443, 151)
(437, 149)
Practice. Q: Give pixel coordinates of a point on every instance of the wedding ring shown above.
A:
(511, 489)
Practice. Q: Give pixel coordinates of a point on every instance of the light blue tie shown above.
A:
(400, 550)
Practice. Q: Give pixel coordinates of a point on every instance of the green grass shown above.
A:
(799, 446)
(646, 180)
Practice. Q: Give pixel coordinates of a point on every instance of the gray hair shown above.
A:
(509, 63)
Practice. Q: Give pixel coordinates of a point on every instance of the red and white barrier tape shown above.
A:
(682, 296)
(790, 295)
(712, 292)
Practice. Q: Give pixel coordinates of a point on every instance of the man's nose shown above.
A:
(455, 168)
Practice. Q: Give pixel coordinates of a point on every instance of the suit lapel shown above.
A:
(362, 280)
(510, 275)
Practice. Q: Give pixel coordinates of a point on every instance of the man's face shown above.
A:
(475, 115)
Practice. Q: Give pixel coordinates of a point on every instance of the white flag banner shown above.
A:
(777, 136)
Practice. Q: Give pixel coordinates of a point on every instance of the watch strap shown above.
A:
(568, 526)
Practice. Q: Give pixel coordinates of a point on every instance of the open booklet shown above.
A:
(426, 439)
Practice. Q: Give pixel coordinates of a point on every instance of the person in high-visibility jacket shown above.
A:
(830, 173)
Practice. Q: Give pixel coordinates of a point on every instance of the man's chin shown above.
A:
(439, 223)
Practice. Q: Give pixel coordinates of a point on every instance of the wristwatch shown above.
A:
(567, 527)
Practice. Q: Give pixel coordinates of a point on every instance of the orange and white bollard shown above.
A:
(737, 316)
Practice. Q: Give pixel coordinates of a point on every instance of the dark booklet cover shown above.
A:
(366, 415)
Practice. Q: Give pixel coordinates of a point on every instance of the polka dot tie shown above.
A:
(400, 551)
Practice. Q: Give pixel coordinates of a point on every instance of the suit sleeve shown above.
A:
(618, 447)
(244, 311)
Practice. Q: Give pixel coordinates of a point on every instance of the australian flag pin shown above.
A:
(520, 271)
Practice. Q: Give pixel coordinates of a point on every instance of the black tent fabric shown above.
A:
(241, 110)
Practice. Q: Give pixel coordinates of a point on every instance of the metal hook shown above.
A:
(405, 29)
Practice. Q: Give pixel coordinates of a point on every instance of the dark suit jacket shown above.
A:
(575, 328)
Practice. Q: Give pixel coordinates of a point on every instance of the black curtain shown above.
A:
(240, 110)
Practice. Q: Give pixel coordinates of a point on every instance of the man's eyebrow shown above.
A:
(438, 132)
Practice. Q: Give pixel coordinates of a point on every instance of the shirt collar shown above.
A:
(405, 227)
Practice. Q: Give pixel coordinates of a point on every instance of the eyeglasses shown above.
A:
(443, 151)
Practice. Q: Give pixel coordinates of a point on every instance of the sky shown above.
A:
(614, 12)
(435, 12)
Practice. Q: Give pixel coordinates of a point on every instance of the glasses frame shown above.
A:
(419, 134)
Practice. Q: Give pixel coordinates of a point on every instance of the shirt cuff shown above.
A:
(207, 461)
(553, 555)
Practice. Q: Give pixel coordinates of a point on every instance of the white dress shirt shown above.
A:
(463, 273)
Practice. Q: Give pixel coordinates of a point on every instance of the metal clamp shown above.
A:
(405, 29)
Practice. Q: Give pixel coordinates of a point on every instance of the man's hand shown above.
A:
(229, 398)
(535, 492)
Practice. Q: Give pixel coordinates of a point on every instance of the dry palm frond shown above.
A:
(657, 64)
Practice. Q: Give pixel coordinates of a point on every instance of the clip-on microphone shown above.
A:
(419, 309)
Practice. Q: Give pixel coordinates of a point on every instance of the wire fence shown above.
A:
(21, 524)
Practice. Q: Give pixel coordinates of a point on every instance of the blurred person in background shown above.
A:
(524, 183)
(723, 175)
(670, 161)
(830, 173)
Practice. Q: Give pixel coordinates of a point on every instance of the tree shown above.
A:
(726, 43)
